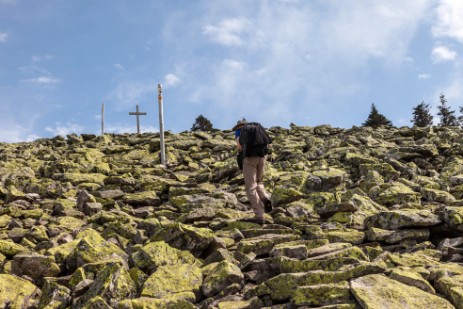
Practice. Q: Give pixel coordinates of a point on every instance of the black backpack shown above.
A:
(254, 140)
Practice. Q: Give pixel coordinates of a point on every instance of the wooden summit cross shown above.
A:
(138, 114)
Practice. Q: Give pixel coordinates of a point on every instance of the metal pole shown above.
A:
(102, 118)
(161, 125)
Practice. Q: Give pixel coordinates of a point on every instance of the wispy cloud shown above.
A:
(37, 59)
(64, 129)
(171, 80)
(42, 80)
(121, 129)
(16, 134)
(3, 37)
(449, 20)
(289, 52)
(128, 93)
(424, 76)
(442, 53)
(119, 66)
(228, 32)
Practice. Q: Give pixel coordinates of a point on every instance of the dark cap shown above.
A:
(239, 124)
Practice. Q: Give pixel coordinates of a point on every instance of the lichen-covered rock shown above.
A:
(185, 237)
(174, 282)
(116, 223)
(263, 244)
(397, 193)
(253, 303)
(34, 265)
(142, 199)
(54, 295)
(148, 302)
(92, 248)
(17, 293)
(283, 286)
(452, 288)
(218, 276)
(321, 295)
(453, 216)
(297, 251)
(112, 283)
(10, 248)
(187, 203)
(289, 265)
(394, 220)
(326, 180)
(425, 257)
(344, 235)
(156, 254)
(391, 237)
(410, 277)
(378, 291)
(434, 195)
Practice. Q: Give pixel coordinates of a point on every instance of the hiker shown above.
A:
(254, 142)
(237, 129)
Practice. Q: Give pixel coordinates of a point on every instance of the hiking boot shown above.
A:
(255, 219)
(258, 220)
(268, 207)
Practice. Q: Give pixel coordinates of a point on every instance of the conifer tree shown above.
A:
(375, 119)
(421, 115)
(460, 118)
(447, 117)
(202, 124)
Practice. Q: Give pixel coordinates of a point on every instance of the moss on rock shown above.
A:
(218, 276)
(378, 291)
(321, 295)
(17, 293)
(159, 253)
(169, 280)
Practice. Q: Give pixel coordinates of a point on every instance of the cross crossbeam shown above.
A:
(138, 114)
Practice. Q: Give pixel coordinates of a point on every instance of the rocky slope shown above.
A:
(363, 218)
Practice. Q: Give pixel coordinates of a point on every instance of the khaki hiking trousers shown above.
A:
(253, 172)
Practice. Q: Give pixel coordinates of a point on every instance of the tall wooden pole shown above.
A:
(161, 125)
(102, 118)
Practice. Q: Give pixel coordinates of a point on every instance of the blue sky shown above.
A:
(307, 62)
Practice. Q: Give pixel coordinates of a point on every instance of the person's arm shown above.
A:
(237, 139)
(238, 144)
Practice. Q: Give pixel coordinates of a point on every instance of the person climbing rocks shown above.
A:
(254, 143)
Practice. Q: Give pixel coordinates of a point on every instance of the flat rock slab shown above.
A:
(394, 220)
(378, 292)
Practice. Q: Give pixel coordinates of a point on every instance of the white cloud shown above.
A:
(171, 80)
(121, 129)
(119, 66)
(454, 91)
(442, 53)
(16, 134)
(449, 20)
(234, 65)
(42, 80)
(229, 32)
(424, 76)
(289, 52)
(65, 129)
(37, 59)
(3, 37)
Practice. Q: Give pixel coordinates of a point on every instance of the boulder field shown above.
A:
(362, 218)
